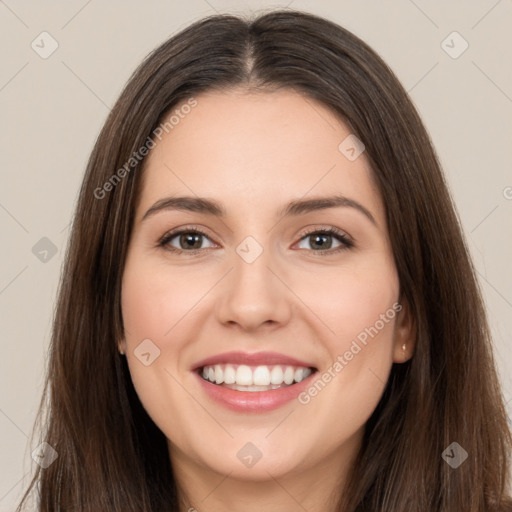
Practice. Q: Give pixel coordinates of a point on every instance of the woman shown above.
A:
(268, 368)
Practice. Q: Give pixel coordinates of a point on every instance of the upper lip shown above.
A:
(251, 359)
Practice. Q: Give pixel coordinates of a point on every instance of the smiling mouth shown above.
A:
(254, 378)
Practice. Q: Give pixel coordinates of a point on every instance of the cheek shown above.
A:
(159, 304)
(354, 299)
(365, 308)
(152, 303)
(360, 307)
(155, 299)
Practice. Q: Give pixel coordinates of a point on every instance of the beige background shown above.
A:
(52, 110)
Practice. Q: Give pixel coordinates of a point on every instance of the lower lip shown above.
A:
(253, 401)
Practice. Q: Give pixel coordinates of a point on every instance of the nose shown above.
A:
(253, 296)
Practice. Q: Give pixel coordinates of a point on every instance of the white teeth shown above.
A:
(219, 377)
(244, 376)
(276, 375)
(289, 373)
(229, 374)
(259, 378)
(253, 388)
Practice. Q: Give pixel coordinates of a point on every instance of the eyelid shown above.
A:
(327, 228)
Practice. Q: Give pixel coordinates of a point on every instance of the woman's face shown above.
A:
(263, 290)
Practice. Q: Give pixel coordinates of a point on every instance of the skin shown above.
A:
(255, 152)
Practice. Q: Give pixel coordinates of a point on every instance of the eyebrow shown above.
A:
(293, 208)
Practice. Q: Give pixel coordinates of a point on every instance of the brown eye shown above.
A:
(321, 241)
(190, 241)
(187, 240)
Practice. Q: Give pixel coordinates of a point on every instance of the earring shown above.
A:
(121, 351)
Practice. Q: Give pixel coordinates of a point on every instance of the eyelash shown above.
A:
(339, 235)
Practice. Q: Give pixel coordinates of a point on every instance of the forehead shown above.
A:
(260, 149)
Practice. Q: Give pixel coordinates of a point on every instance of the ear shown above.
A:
(121, 346)
(405, 333)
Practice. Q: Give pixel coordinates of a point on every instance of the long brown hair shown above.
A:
(111, 456)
